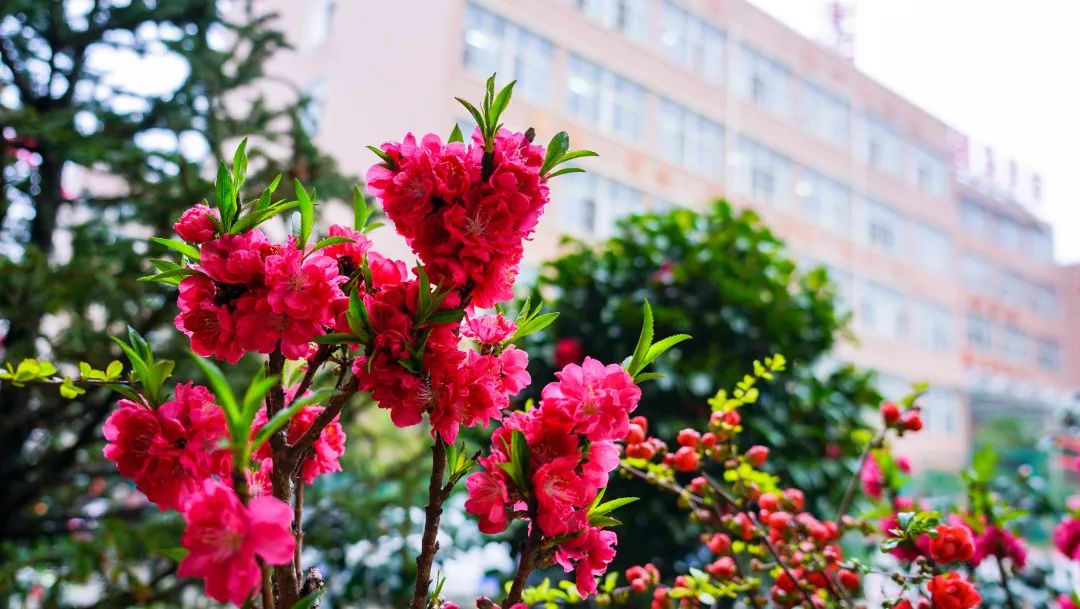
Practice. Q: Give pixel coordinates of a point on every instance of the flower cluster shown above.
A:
(464, 213)
(554, 478)
(247, 294)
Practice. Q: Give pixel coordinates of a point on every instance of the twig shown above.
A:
(267, 589)
(429, 544)
(332, 410)
(530, 554)
(1009, 598)
(298, 526)
(313, 366)
(853, 484)
(764, 533)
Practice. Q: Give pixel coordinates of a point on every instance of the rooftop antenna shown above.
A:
(843, 38)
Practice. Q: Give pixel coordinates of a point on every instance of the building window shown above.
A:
(1048, 354)
(939, 411)
(605, 99)
(977, 275)
(628, 17)
(979, 332)
(933, 247)
(592, 204)
(881, 310)
(825, 201)
(1013, 289)
(842, 280)
(762, 173)
(496, 45)
(934, 325)
(764, 81)
(311, 114)
(1009, 232)
(322, 16)
(931, 173)
(826, 116)
(1044, 299)
(692, 42)
(883, 147)
(691, 140)
(1042, 244)
(976, 219)
(1015, 344)
(883, 226)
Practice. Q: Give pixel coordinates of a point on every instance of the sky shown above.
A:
(1003, 72)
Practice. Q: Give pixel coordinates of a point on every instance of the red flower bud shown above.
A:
(719, 544)
(732, 418)
(769, 501)
(709, 439)
(795, 498)
(890, 413)
(912, 421)
(722, 568)
(757, 455)
(952, 544)
(688, 437)
(698, 485)
(685, 459)
(636, 435)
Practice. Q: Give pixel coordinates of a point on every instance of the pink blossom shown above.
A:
(513, 371)
(196, 224)
(560, 490)
(223, 538)
(210, 327)
(488, 496)
(325, 456)
(169, 451)
(236, 259)
(996, 541)
(597, 398)
(488, 329)
(872, 478)
(588, 553)
(303, 288)
(262, 330)
(1067, 538)
(354, 252)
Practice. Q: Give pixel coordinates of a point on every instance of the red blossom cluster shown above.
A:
(569, 450)
(247, 294)
(465, 209)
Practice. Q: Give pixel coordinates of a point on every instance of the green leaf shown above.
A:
(609, 506)
(226, 196)
(223, 392)
(643, 377)
(68, 390)
(577, 154)
(604, 521)
(661, 346)
(502, 100)
(644, 341)
(114, 369)
(455, 135)
(172, 277)
(361, 210)
(556, 148)
(446, 316)
(476, 114)
(173, 554)
(564, 171)
(309, 600)
(240, 163)
(256, 391)
(386, 158)
(179, 246)
(357, 315)
(327, 242)
(336, 338)
(307, 213)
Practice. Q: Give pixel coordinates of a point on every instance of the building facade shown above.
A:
(687, 101)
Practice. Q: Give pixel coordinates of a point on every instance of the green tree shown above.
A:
(725, 279)
(70, 258)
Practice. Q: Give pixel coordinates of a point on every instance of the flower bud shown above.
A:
(890, 412)
(757, 455)
(688, 437)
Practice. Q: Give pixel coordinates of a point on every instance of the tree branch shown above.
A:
(429, 544)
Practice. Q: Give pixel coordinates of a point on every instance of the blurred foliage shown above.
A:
(725, 279)
(92, 165)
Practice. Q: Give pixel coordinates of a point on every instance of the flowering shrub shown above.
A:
(333, 318)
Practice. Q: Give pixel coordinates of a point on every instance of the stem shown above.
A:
(853, 484)
(429, 544)
(530, 554)
(298, 527)
(332, 410)
(267, 589)
(316, 362)
(1009, 598)
(286, 579)
(764, 533)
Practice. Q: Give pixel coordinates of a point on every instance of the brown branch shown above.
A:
(853, 484)
(298, 528)
(764, 533)
(316, 362)
(530, 555)
(429, 544)
(327, 416)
